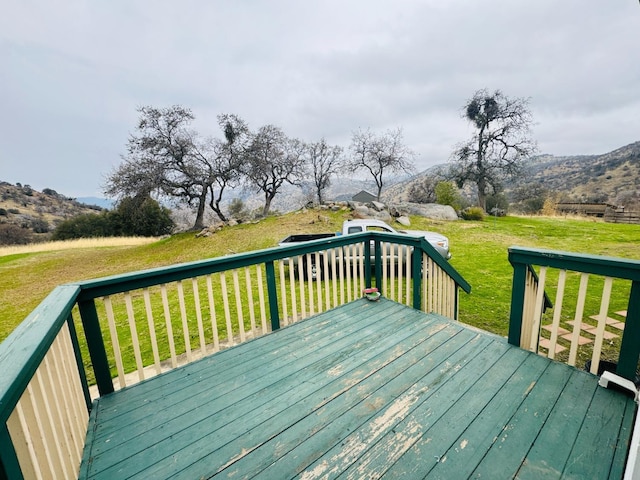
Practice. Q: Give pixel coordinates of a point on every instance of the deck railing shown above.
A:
(595, 318)
(136, 325)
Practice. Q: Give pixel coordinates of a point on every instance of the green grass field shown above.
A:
(479, 253)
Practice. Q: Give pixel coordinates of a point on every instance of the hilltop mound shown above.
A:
(29, 215)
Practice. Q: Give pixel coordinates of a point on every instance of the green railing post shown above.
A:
(367, 264)
(95, 342)
(517, 302)
(416, 271)
(630, 347)
(79, 362)
(272, 292)
(378, 267)
(9, 465)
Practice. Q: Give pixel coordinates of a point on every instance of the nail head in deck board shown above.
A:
(366, 375)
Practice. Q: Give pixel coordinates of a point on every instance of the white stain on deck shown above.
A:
(359, 441)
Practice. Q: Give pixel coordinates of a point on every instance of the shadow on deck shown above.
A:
(364, 390)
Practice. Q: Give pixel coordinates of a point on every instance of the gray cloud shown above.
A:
(74, 72)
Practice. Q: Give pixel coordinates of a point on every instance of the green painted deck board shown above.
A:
(368, 389)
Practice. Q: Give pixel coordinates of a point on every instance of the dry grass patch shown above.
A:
(76, 244)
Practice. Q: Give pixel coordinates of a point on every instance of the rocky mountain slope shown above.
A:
(612, 177)
(25, 212)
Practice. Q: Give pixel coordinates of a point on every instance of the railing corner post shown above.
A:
(630, 346)
(378, 263)
(9, 464)
(367, 263)
(416, 271)
(517, 303)
(95, 343)
(272, 292)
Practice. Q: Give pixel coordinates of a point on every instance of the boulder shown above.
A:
(433, 211)
(378, 206)
(384, 216)
(362, 211)
(404, 221)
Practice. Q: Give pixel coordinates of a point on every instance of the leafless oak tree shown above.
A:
(380, 155)
(271, 160)
(499, 145)
(324, 161)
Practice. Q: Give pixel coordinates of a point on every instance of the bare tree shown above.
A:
(423, 190)
(272, 160)
(380, 155)
(324, 161)
(166, 157)
(228, 159)
(499, 145)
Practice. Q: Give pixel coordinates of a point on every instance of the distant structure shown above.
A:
(364, 197)
(610, 213)
(588, 209)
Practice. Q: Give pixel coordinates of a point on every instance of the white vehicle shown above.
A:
(349, 227)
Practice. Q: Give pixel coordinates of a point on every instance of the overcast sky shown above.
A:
(73, 73)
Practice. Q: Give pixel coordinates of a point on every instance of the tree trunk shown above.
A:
(202, 202)
(482, 196)
(267, 204)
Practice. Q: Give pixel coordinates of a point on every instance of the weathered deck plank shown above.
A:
(365, 390)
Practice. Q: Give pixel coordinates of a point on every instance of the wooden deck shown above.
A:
(363, 391)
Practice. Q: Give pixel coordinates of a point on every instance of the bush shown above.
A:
(497, 205)
(448, 194)
(11, 234)
(237, 209)
(133, 217)
(40, 225)
(88, 225)
(473, 213)
(139, 216)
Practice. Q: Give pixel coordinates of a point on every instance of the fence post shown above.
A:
(95, 342)
(367, 264)
(9, 465)
(630, 347)
(378, 253)
(517, 302)
(416, 271)
(272, 292)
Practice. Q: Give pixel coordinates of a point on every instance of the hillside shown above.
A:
(612, 177)
(25, 212)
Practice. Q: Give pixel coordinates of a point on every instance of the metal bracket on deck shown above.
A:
(608, 377)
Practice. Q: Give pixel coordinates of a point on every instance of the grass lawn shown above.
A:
(479, 253)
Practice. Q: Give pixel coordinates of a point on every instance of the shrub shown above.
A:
(136, 216)
(237, 209)
(473, 213)
(448, 194)
(40, 225)
(11, 234)
(497, 204)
